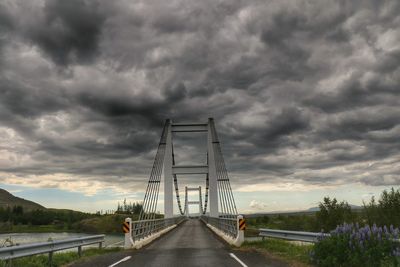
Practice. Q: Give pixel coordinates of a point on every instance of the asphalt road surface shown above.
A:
(190, 244)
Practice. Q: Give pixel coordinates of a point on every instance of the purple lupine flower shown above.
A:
(374, 228)
(353, 235)
(396, 233)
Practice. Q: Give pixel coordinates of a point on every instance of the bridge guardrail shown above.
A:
(145, 228)
(226, 225)
(140, 233)
(229, 227)
(19, 251)
(311, 237)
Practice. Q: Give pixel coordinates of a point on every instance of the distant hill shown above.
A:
(9, 200)
(353, 207)
(295, 212)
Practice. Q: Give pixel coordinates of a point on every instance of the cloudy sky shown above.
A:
(305, 96)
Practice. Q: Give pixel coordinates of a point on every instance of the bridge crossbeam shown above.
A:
(189, 127)
(199, 169)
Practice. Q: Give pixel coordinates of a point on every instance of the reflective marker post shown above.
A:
(241, 226)
(127, 228)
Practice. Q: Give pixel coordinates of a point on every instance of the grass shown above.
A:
(297, 255)
(59, 259)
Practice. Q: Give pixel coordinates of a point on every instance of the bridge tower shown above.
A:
(187, 202)
(218, 192)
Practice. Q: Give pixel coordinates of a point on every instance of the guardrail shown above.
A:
(13, 252)
(292, 235)
(145, 228)
(226, 225)
(311, 237)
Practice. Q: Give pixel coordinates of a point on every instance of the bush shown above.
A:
(350, 245)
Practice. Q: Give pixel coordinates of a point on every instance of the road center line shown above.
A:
(238, 260)
(118, 262)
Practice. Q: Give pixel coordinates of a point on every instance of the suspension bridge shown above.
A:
(181, 238)
(218, 209)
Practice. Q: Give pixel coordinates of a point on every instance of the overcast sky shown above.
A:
(305, 96)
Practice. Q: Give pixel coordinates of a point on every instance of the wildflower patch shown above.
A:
(352, 245)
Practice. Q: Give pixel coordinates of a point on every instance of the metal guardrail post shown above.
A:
(51, 258)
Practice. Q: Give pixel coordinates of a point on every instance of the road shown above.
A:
(190, 244)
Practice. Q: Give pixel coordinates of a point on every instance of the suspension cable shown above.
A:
(151, 195)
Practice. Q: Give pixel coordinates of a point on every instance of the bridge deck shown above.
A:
(190, 244)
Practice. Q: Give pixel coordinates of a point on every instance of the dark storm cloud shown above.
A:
(69, 30)
(300, 91)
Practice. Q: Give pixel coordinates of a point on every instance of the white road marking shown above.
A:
(238, 260)
(118, 262)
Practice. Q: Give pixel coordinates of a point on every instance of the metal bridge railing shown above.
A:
(145, 228)
(227, 225)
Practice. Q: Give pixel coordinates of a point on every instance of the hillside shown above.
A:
(9, 200)
(296, 212)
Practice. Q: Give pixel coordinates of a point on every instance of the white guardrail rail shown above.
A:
(24, 250)
(292, 235)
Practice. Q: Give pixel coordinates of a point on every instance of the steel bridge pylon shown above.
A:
(188, 203)
(218, 192)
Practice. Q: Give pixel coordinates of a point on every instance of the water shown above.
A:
(26, 238)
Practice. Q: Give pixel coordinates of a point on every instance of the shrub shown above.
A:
(351, 245)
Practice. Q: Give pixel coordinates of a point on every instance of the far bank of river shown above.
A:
(25, 238)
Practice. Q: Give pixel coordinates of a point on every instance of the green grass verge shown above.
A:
(284, 250)
(59, 259)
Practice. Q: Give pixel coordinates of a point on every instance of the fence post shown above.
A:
(128, 235)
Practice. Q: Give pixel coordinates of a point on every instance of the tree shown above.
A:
(386, 210)
(332, 213)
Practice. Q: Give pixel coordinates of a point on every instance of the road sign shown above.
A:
(242, 224)
(125, 227)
